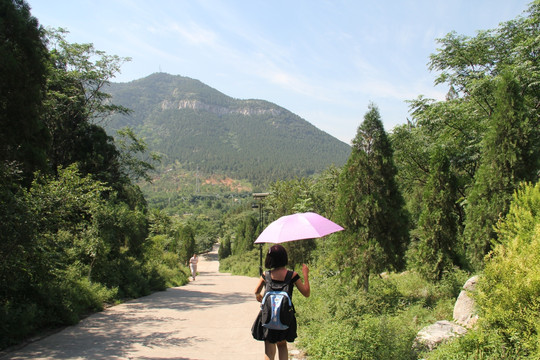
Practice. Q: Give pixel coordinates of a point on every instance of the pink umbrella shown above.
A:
(298, 226)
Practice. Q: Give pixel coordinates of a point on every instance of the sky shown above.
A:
(325, 61)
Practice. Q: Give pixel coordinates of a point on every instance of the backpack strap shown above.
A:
(288, 277)
(268, 277)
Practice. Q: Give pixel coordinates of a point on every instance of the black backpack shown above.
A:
(277, 310)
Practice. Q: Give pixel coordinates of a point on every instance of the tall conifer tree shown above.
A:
(370, 206)
(433, 252)
(509, 156)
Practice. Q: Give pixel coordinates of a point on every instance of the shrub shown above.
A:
(78, 296)
(509, 290)
(373, 338)
(246, 264)
(509, 293)
(339, 321)
(17, 320)
(477, 345)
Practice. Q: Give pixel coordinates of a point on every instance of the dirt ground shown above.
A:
(209, 318)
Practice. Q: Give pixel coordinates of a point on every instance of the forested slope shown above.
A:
(199, 127)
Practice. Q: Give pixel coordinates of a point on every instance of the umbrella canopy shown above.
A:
(298, 226)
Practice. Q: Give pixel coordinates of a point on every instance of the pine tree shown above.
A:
(186, 244)
(370, 206)
(434, 250)
(509, 155)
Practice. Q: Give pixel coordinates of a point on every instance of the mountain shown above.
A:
(204, 130)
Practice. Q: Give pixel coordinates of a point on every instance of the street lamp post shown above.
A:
(260, 197)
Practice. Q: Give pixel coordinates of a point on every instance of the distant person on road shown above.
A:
(193, 265)
(277, 260)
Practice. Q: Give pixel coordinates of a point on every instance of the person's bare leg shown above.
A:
(283, 352)
(269, 351)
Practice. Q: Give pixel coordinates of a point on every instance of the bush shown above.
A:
(17, 320)
(163, 275)
(339, 321)
(417, 290)
(62, 301)
(509, 293)
(77, 297)
(164, 268)
(509, 290)
(477, 345)
(375, 338)
(246, 264)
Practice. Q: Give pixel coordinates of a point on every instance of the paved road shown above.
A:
(207, 319)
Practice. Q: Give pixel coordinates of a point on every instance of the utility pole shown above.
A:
(197, 181)
(260, 197)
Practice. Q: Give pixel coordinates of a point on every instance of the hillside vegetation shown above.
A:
(203, 130)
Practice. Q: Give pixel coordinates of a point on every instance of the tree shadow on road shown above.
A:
(116, 333)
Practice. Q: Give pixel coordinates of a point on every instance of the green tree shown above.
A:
(65, 209)
(489, 115)
(48, 260)
(508, 290)
(289, 197)
(77, 235)
(75, 102)
(23, 58)
(18, 229)
(160, 223)
(225, 248)
(323, 191)
(433, 250)
(186, 243)
(370, 206)
(246, 233)
(131, 150)
(509, 155)
(469, 64)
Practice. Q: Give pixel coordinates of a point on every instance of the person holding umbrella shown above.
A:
(276, 261)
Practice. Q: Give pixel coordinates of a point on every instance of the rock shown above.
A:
(431, 336)
(464, 309)
(464, 318)
(295, 354)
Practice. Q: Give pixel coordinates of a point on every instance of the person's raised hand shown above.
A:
(305, 270)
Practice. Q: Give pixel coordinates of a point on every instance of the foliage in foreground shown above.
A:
(74, 251)
(341, 321)
(509, 292)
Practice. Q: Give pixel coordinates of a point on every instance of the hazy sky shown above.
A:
(323, 60)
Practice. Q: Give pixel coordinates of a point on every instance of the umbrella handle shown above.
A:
(260, 260)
